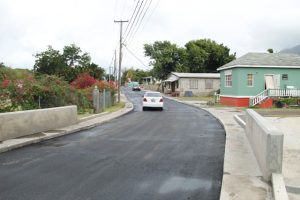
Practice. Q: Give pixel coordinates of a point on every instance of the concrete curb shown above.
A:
(279, 190)
(103, 118)
(240, 121)
(84, 119)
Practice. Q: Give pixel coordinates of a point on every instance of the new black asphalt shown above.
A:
(172, 154)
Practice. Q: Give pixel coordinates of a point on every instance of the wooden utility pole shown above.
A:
(120, 58)
(115, 65)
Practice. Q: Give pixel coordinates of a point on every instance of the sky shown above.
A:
(28, 27)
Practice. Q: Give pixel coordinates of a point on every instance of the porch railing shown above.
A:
(273, 93)
(259, 98)
(284, 92)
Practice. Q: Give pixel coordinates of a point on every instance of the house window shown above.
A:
(193, 84)
(208, 84)
(249, 80)
(177, 84)
(285, 77)
(228, 80)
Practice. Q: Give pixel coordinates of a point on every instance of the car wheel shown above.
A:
(161, 109)
(144, 108)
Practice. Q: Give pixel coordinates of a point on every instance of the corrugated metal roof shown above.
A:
(264, 60)
(196, 75)
(172, 78)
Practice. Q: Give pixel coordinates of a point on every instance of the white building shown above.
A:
(188, 84)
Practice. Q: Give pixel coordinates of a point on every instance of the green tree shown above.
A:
(74, 57)
(49, 62)
(270, 50)
(135, 75)
(206, 55)
(69, 64)
(165, 58)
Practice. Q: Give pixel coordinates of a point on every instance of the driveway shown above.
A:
(172, 154)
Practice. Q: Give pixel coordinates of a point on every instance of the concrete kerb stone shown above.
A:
(279, 190)
(240, 121)
(21, 142)
(84, 119)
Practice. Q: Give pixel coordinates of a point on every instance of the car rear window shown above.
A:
(153, 95)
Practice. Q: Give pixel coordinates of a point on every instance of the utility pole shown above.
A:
(120, 57)
(115, 65)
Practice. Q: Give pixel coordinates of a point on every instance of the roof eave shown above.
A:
(257, 66)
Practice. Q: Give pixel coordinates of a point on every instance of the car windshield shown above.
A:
(153, 95)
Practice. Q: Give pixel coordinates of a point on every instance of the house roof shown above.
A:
(196, 75)
(281, 60)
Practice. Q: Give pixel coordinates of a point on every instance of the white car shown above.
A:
(153, 100)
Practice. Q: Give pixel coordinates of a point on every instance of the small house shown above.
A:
(189, 84)
(256, 78)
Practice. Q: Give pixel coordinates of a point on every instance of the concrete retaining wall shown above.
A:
(17, 124)
(266, 142)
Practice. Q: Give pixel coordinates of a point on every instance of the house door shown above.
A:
(272, 81)
(173, 86)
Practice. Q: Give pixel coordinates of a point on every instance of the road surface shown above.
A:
(172, 154)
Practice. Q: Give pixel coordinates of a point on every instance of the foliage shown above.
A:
(289, 101)
(270, 50)
(68, 64)
(33, 91)
(206, 55)
(13, 74)
(83, 81)
(134, 75)
(166, 57)
(196, 57)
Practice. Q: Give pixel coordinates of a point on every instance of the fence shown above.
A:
(102, 100)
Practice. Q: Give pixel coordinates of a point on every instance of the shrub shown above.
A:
(83, 81)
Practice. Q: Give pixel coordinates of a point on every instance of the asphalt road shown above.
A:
(172, 154)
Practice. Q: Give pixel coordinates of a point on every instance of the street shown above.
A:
(172, 154)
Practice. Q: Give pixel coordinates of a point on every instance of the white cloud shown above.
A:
(27, 27)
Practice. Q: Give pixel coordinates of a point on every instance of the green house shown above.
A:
(256, 78)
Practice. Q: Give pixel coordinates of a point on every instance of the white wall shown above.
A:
(266, 142)
(184, 85)
(17, 124)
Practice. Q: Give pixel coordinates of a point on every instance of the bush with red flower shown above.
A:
(83, 81)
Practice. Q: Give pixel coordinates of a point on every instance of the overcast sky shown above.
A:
(28, 26)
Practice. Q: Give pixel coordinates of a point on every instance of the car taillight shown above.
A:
(161, 100)
(145, 99)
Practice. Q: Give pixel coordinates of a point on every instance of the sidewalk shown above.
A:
(242, 179)
(290, 126)
(83, 124)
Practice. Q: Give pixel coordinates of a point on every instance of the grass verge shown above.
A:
(116, 107)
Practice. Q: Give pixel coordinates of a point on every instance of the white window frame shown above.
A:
(228, 80)
(250, 82)
(193, 84)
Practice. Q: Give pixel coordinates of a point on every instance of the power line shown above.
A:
(133, 35)
(137, 21)
(135, 56)
(156, 5)
(133, 20)
(131, 16)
